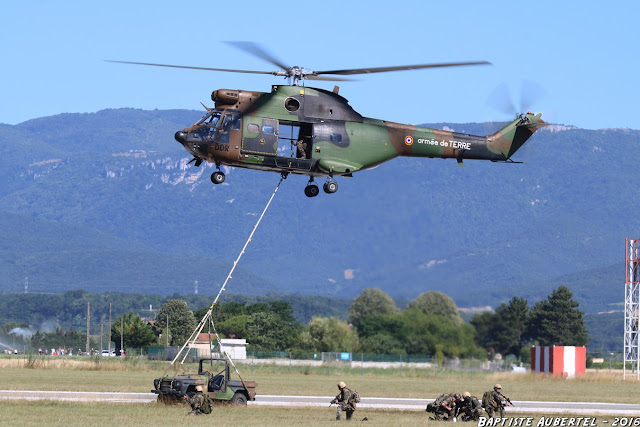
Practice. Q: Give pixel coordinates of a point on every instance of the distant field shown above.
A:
(133, 375)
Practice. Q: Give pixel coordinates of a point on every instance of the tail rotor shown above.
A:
(502, 98)
(515, 104)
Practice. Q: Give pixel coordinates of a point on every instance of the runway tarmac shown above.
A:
(546, 408)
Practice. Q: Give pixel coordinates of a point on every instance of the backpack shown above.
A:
(206, 405)
(433, 406)
(440, 399)
(486, 399)
(354, 398)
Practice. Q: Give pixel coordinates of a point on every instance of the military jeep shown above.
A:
(214, 377)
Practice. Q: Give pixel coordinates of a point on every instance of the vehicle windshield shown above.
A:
(213, 367)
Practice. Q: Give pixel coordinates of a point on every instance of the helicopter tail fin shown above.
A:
(511, 137)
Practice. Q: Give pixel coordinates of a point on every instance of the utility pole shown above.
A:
(101, 334)
(167, 330)
(121, 335)
(88, 325)
(109, 328)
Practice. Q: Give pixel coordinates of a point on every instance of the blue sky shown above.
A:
(583, 57)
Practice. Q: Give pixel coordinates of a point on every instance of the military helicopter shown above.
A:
(315, 132)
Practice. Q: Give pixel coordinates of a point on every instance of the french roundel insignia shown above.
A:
(408, 140)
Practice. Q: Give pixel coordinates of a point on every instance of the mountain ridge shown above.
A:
(481, 233)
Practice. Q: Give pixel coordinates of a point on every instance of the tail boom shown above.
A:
(500, 146)
(511, 137)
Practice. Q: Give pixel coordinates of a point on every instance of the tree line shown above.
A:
(69, 310)
(430, 324)
(513, 327)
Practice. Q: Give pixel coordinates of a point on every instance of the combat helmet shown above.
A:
(497, 387)
(466, 394)
(341, 384)
(199, 388)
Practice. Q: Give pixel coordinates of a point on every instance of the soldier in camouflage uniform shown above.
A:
(448, 407)
(343, 400)
(470, 408)
(497, 402)
(302, 149)
(199, 403)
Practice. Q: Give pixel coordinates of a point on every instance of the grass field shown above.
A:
(26, 413)
(93, 414)
(135, 375)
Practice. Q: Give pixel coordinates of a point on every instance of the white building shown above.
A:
(235, 348)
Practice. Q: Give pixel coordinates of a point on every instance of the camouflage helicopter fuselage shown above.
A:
(315, 132)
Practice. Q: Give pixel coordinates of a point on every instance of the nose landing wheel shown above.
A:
(217, 177)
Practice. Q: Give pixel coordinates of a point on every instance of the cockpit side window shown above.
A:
(226, 125)
(235, 122)
(231, 121)
(226, 122)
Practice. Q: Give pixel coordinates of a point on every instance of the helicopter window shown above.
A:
(268, 130)
(336, 138)
(206, 133)
(291, 104)
(226, 122)
(210, 119)
(215, 118)
(231, 121)
(253, 128)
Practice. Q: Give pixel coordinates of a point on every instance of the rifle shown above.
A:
(506, 399)
(506, 402)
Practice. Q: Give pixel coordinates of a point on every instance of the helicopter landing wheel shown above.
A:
(217, 177)
(330, 187)
(311, 190)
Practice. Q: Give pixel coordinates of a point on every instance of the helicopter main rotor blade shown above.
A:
(400, 68)
(329, 79)
(256, 50)
(274, 73)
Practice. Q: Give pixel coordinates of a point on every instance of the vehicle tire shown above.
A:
(311, 190)
(239, 399)
(217, 177)
(330, 187)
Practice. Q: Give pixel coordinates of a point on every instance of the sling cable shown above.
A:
(207, 319)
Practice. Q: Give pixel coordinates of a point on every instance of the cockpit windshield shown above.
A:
(215, 127)
(210, 119)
